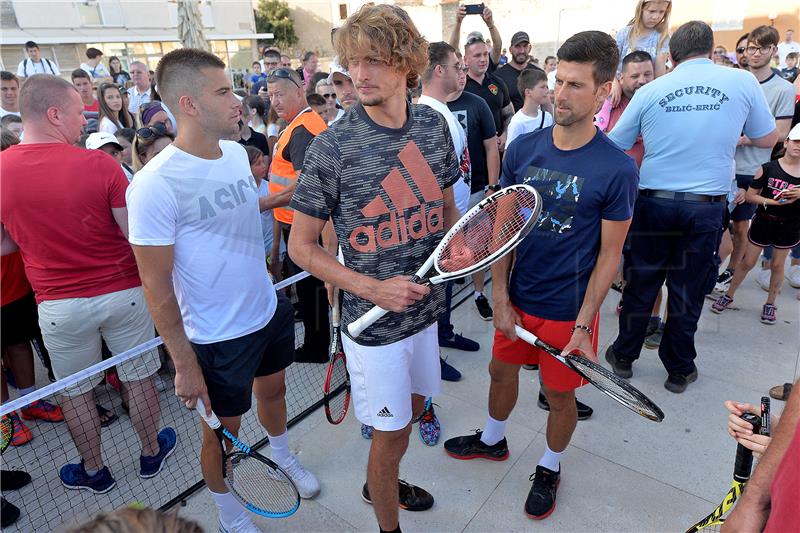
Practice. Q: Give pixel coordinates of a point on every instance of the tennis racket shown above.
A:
(337, 382)
(765, 423)
(741, 474)
(7, 426)
(260, 485)
(486, 233)
(606, 381)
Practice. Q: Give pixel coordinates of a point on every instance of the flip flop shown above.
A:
(106, 417)
(781, 392)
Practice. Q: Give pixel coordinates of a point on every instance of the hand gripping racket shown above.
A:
(606, 381)
(260, 485)
(337, 381)
(741, 474)
(486, 233)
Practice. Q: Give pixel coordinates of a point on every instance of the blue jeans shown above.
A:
(676, 241)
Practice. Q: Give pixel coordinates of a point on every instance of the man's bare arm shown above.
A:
(280, 199)
(492, 160)
(121, 218)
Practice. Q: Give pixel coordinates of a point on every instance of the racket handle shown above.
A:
(744, 457)
(336, 309)
(370, 317)
(212, 420)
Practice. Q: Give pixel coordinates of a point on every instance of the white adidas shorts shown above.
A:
(383, 378)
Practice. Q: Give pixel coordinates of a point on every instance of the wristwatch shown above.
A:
(492, 188)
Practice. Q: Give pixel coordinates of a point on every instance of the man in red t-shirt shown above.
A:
(64, 208)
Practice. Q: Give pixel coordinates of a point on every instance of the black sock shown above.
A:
(395, 530)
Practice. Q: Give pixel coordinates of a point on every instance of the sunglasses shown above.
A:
(159, 129)
(474, 40)
(740, 50)
(326, 95)
(281, 74)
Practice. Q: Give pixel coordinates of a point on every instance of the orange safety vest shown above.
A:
(282, 174)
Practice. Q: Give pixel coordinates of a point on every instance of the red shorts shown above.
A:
(557, 333)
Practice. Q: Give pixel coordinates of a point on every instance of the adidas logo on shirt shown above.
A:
(385, 413)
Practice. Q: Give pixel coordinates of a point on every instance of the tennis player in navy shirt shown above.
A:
(562, 271)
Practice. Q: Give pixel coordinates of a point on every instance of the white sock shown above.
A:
(26, 390)
(551, 459)
(229, 508)
(478, 294)
(280, 447)
(494, 431)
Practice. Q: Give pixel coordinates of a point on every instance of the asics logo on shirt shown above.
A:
(409, 219)
(228, 197)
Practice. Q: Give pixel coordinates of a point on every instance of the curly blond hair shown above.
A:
(386, 33)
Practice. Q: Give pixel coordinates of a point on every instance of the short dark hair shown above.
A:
(125, 133)
(180, 72)
(315, 99)
(10, 119)
(255, 63)
(31, 44)
(694, 38)
(548, 58)
(253, 154)
(80, 73)
(438, 53)
(92, 53)
(765, 36)
(254, 102)
(595, 47)
(744, 38)
(272, 53)
(7, 139)
(792, 55)
(530, 78)
(637, 56)
(308, 55)
(8, 76)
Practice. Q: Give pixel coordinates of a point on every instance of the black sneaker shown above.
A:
(412, 498)
(14, 479)
(621, 367)
(484, 309)
(584, 411)
(677, 383)
(541, 500)
(9, 513)
(471, 447)
(724, 281)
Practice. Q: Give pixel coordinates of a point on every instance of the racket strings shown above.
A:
(262, 486)
(489, 230)
(616, 387)
(7, 426)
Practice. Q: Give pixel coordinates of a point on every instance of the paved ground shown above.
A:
(621, 472)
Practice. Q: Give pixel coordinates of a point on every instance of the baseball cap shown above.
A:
(520, 37)
(336, 68)
(794, 134)
(101, 138)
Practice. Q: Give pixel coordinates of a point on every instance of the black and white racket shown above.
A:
(486, 233)
(260, 485)
(606, 381)
(337, 381)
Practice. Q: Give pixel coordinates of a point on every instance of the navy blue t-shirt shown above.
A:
(579, 189)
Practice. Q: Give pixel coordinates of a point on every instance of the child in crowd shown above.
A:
(532, 84)
(256, 76)
(791, 70)
(318, 104)
(775, 189)
(648, 31)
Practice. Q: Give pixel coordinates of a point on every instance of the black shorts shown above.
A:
(229, 367)
(19, 321)
(767, 230)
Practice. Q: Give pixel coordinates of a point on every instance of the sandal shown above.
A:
(106, 417)
(781, 392)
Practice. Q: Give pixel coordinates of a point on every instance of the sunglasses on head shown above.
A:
(473, 40)
(281, 74)
(159, 129)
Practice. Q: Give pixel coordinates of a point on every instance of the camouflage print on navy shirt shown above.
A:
(383, 189)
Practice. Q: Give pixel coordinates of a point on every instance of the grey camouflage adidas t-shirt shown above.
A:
(383, 189)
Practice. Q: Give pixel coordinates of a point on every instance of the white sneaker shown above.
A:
(763, 279)
(243, 524)
(307, 483)
(793, 275)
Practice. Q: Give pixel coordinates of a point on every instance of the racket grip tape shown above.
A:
(212, 420)
(370, 317)
(744, 457)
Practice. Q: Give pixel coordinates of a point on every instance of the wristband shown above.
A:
(587, 329)
(492, 188)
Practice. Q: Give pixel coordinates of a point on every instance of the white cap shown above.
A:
(336, 68)
(101, 138)
(794, 134)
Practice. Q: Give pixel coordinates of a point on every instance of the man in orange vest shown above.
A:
(286, 96)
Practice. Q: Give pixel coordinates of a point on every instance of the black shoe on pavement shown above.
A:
(412, 498)
(459, 342)
(449, 372)
(584, 411)
(484, 309)
(471, 447)
(677, 383)
(9, 513)
(541, 500)
(14, 479)
(621, 367)
(305, 355)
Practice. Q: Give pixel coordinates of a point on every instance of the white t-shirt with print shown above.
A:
(209, 211)
(100, 71)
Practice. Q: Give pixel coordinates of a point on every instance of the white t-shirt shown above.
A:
(107, 126)
(461, 188)
(784, 49)
(209, 211)
(3, 113)
(521, 123)
(267, 223)
(551, 81)
(28, 68)
(339, 114)
(100, 71)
